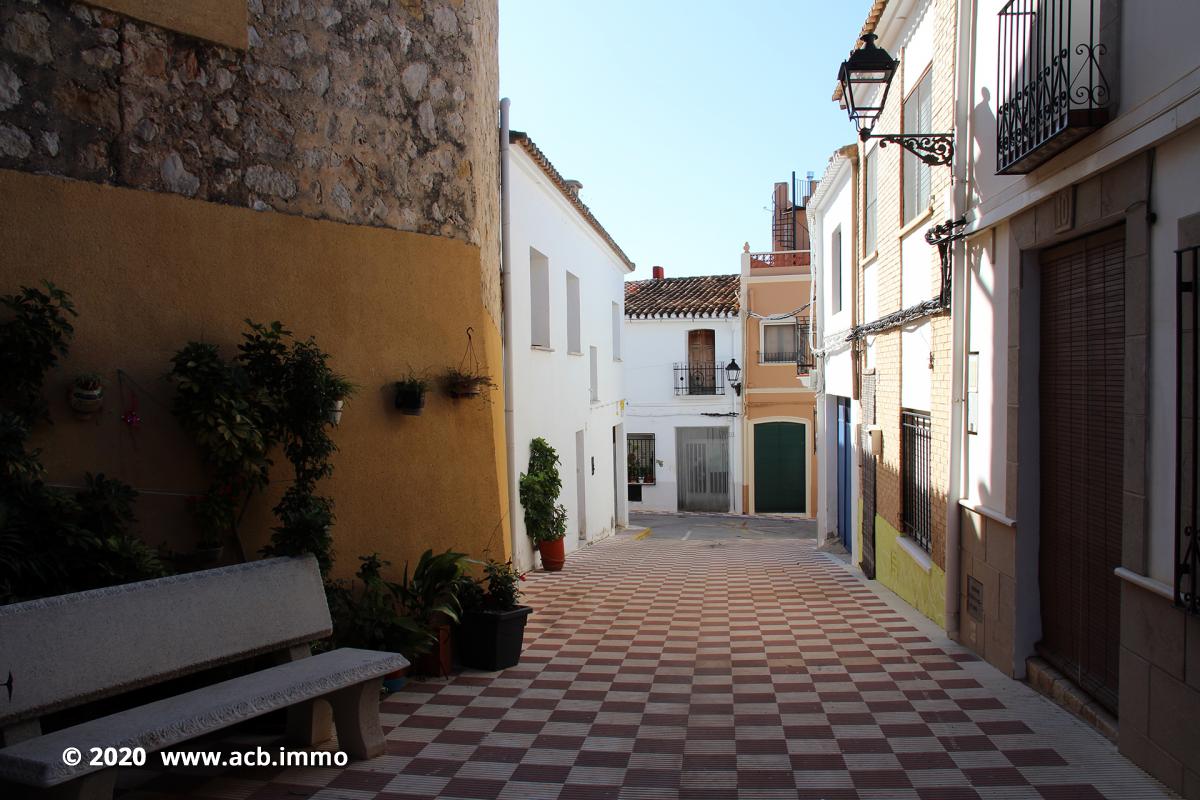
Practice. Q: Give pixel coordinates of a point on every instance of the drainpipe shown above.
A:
(507, 312)
(964, 89)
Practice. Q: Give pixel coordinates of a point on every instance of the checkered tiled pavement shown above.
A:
(733, 669)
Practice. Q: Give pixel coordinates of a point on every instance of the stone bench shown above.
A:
(61, 652)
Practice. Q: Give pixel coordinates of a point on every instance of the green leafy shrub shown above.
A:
(369, 615)
(498, 590)
(545, 518)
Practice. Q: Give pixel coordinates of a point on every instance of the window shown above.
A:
(594, 357)
(835, 268)
(918, 118)
(779, 343)
(641, 457)
(915, 477)
(870, 196)
(973, 392)
(616, 330)
(539, 299)
(702, 362)
(573, 336)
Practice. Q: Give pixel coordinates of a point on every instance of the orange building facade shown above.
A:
(779, 417)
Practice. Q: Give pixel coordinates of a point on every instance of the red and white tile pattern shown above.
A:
(732, 669)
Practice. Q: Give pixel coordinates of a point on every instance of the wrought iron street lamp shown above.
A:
(733, 373)
(865, 78)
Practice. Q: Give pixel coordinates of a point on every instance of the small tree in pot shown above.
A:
(492, 632)
(545, 518)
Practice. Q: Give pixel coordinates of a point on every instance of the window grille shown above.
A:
(915, 475)
(1187, 476)
(641, 457)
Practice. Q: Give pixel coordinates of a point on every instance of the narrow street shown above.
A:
(750, 667)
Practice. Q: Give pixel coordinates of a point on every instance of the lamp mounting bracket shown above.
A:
(935, 149)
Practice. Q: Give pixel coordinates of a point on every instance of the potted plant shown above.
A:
(410, 394)
(545, 518)
(339, 389)
(460, 383)
(87, 394)
(430, 596)
(492, 631)
(368, 616)
(215, 513)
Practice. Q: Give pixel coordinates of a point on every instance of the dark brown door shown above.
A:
(702, 357)
(1082, 393)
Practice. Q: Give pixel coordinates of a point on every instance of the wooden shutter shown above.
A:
(1082, 393)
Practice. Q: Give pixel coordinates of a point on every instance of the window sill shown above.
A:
(574, 353)
(916, 222)
(910, 546)
(866, 260)
(545, 348)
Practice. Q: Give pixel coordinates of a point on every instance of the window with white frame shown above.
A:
(539, 299)
(616, 331)
(835, 268)
(918, 118)
(870, 198)
(574, 337)
(779, 343)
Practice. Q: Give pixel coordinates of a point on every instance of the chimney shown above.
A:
(575, 186)
(658, 273)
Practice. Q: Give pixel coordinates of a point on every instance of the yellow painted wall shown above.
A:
(150, 271)
(220, 21)
(899, 571)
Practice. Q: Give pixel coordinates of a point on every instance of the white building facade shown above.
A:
(564, 310)
(682, 419)
(832, 229)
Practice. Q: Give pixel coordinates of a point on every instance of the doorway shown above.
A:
(702, 459)
(702, 360)
(1081, 402)
(843, 472)
(581, 485)
(780, 474)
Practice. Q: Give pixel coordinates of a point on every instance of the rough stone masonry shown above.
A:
(373, 112)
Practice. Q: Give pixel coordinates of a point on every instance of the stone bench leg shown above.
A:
(96, 786)
(356, 715)
(309, 724)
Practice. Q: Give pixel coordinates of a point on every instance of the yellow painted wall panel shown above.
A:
(149, 271)
(898, 571)
(220, 21)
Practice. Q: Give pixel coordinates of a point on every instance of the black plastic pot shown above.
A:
(410, 401)
(492, 640)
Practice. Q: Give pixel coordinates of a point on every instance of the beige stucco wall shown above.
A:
(150, 271)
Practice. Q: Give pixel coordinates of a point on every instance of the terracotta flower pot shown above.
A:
(439, 661)
(553, 555)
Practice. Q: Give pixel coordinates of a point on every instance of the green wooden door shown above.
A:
(780, 483)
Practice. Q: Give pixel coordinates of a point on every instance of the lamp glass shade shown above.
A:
(865, 78)
(732, 371)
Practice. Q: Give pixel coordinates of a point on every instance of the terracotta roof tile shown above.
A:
(708, 295)
(539, 158)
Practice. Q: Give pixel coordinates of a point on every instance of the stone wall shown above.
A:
(371, 112)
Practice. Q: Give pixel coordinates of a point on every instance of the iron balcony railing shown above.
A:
(1051, 89)
(699, 379)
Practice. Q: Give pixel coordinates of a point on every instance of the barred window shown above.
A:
(641, 457)
(915, 477)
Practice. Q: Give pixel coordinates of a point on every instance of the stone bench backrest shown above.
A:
(67, 650)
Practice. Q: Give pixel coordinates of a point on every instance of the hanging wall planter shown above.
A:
(87, 395)
(467, 379)
(410, 395)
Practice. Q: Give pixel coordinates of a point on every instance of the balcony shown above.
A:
(782, 261)
(699, 379)
(1051, 88)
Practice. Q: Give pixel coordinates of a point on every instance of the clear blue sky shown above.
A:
(679, 116)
